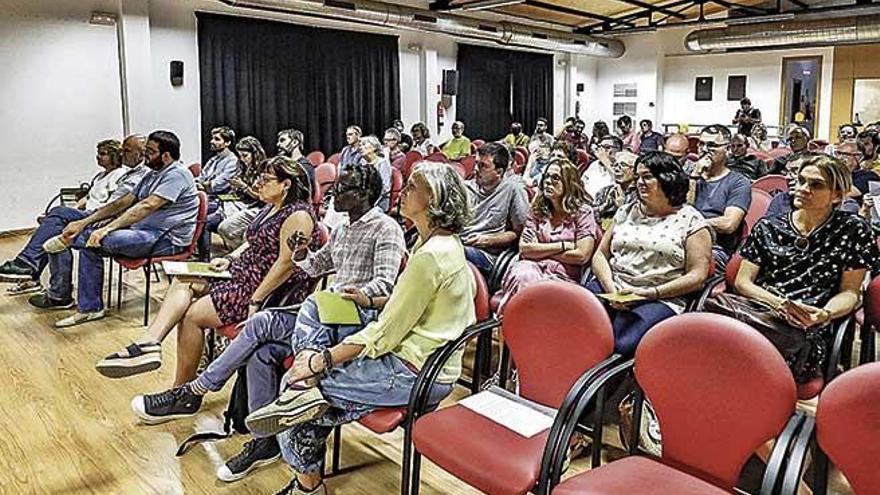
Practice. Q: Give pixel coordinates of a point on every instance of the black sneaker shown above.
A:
(171, 404)
(43, 301)
(293, 488)
(14, 270)
(256, 453)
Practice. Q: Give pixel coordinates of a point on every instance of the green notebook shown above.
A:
(334, 310)
(192, 269)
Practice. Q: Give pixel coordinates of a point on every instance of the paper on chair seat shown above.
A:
(515, 413)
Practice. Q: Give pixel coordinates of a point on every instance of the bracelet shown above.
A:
(656, 293)
(309, 364)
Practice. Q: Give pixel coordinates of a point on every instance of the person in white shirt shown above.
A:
(599, 174)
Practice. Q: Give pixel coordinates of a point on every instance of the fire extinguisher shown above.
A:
(441, 114)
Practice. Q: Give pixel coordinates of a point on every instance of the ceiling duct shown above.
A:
(787, 34)
(399, 17)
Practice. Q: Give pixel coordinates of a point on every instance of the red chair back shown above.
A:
(437, 156)
(325, 177)
(848, 426)
(478, 142)
(731, 270)
(760, 202)
(399, 162)
(720, 390)
(334, 159)
(200, 226)
(872, 303)
(693, 144)
(771, 184)
(481, 296)
(524, 151)
(412, 157)
(779, 152)
(556, 331)
(817, 145)
(458, 168)
(315, 158)
(195, 169)
(469, 164)
(583, 159)
(396, 188)
(519, 161)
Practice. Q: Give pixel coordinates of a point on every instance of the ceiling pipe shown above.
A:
(399, 17)
(797, 33)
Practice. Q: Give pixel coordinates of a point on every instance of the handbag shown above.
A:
(802, 349)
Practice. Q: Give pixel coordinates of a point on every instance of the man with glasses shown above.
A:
(459, 146)
(739, 159)
(351, 154)
(599, 174)
(848, 152)
(721, 195)
(391, 140)
(798, 139)
(541, 136)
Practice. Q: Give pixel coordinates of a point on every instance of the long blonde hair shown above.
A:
(574, 196)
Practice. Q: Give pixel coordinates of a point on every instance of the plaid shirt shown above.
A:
(365, 254)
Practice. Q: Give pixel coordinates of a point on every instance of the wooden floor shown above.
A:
(65, 429)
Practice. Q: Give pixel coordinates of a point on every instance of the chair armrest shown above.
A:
(502, 264)
(577, 399)
(798, 426)
(799, 444)
(698, 303)
(844, 330)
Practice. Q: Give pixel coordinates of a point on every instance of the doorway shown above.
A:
(801, 80)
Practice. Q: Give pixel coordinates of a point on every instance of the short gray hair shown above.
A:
(372, 141)
(448, 208)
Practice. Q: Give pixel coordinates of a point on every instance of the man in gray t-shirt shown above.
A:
(165, 200)
(500, 206)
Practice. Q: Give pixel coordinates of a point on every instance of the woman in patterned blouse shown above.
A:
(810, 263)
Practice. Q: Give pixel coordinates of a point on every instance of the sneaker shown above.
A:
(171, 404)
(55, 245)
(14, 270)
(293, 488)
(77, 318)
(256, 453)
(24, 287)
(43, 301)
(135, 359)
(293, 407)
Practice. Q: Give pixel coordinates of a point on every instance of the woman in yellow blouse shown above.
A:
(432, 304)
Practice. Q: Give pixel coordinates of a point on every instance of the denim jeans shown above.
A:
(234, 228)
(212, 221)
(353, 389)
(484, 261)
(131, 243)
(56, 220)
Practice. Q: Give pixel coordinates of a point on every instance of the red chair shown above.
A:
(519, 161)
(779, 152)
(147, 263)
(334, 158)
(771, 184)
(399, 162)
(195, 169)
(560, 338)
(817, 145)
(478, 142)
(469, 164)
(524, 150)
(693, 144)
(583, 160)
(870, 322)
(315, 158)
(720, 391)
(325, 177)
(396, 188)
(846, 431)
(437, 156)
(458, 167)
(758, 208)
(412, 157)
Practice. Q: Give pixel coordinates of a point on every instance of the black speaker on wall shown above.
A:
(450, 82)
(176, 73)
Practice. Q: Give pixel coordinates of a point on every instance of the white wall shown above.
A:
(640, 64)
(59, 95)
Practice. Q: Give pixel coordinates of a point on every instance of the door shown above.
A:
(801, 80)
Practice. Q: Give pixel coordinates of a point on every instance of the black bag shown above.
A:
(234, 415)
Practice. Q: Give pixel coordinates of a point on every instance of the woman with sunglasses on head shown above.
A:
(807, 266)
(258, 268)
(559, 233)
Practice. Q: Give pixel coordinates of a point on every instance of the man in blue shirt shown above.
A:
(651, 140)
(158, 217)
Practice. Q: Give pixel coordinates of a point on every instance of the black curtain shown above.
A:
(497, 87)
(259, 77)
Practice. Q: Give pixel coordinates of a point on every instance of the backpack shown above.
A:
(234, 416)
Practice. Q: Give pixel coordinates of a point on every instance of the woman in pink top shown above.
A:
(559, 234)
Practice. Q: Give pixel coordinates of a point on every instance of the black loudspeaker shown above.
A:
(176, 73)
(450, 82)
(579, 87)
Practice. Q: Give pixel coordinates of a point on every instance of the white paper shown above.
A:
(514, 413)
(181, 268)
(874, 191)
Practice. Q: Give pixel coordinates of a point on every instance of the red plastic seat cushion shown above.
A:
(229, 331)
(384, 420)
(479, 451)
(635, 476)
(806, 391)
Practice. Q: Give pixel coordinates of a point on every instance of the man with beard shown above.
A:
(739, 159)
(157, 218)
(869, 144)
(541, 136)
(798, 140)
(290, 144)
(215, 180)
(500, 205)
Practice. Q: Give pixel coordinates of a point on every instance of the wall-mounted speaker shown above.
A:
(176, 73)
(450, 82)
(579, 87)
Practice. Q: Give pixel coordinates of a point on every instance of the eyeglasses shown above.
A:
(711, 147)
(389, 140)
(552, 177)
(264, 178)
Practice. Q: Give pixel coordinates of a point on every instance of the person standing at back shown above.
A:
(746, 117)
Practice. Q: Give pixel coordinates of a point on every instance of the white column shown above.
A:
(136, 73)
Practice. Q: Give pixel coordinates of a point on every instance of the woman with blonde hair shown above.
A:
(559, 234)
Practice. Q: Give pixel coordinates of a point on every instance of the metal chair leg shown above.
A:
(416, 473)
(147, 296)
(119, 289)
(406, 463)
(110, 284)
(212, 341)
(337, 442)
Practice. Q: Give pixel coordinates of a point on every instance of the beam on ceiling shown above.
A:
(653, 8)
(589, 28)
(574, 12)
(439, 5)
(748, 8)
(800, 4)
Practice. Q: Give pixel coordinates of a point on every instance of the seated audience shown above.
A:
(516, 138)
(391, 151)
(567, 126)
(340, 376)
(123, 168)
(251, 157)
(264, 264)
(758, 139)
(739, 160)
(849, 154)
(650, 139)
(499, 202)
(538, 160)
(290, 144)
(371, 153)
(630, 139)
(869, 145)
(351, 153)
(611, 198)
(798, 138)
(559, 234)
(658, 248)
(459, 146)
(422, 139)
(406, 141)
(600, 130)
(157, 217)
(365, 255)
(782, 202)
(598, 175)
(215, 179)
(721, 195)
(541, 135)
(574, 135)
(846, 132)
(808, 267)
